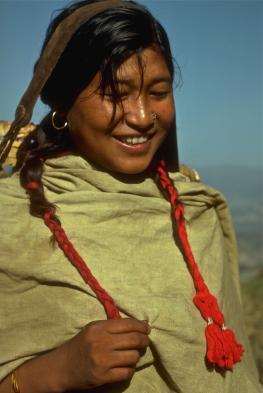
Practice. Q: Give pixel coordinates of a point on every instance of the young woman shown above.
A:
(107, 304)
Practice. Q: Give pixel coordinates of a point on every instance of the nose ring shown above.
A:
(154, 116)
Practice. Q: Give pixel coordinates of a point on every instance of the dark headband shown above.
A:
(48, 61)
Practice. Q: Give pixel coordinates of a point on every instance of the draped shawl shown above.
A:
(121, 225)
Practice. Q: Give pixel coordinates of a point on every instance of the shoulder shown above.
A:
(190, 173)
(195, 193)
(17, 225)
(13, 198)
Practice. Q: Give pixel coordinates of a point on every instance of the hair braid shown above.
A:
(37, 147)
(222, 347)
(32, 161)
(31, 180)
(77, 261)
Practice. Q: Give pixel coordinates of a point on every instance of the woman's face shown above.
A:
(128, 143)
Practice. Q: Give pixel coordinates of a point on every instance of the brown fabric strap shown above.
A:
(48, 61)
(55, 48)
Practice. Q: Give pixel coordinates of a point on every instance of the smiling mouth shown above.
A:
(134, 140)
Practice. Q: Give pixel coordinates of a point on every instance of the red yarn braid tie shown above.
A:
(223, 349)
(77, 261)
(32, 185)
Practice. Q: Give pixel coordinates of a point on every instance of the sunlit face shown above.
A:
(115, 145)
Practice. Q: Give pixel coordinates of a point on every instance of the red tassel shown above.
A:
(223, 349)
(218, 350)
(210, 343)
(236, 348)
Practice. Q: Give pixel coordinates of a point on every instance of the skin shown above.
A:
(90, 116)
(104, 352)
(107, 352)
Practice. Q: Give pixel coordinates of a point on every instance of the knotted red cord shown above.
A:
(77, 261)
(222, 347)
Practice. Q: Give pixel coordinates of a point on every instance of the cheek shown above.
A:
(167, 115)
(90, 114)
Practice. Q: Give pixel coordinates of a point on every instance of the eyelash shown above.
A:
(158, 95)
(109, 96)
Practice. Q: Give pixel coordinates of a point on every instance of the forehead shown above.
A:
(150, 62)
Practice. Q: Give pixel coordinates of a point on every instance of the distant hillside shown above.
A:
(243, 188)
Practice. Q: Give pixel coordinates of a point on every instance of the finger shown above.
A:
(118, 374)
(132, 340)
(127, 325)
(124, 358)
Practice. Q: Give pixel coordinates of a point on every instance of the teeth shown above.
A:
(135, 140)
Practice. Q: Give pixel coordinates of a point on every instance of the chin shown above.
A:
(132, 168)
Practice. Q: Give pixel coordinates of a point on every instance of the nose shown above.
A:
(138, 115)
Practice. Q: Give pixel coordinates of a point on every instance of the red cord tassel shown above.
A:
(223, 349)
(218, 349)
(236, 348)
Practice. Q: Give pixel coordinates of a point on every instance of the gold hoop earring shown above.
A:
(56, 126)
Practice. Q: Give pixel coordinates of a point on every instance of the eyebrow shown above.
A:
(153, 81)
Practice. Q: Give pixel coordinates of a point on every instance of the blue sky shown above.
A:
(218, 45)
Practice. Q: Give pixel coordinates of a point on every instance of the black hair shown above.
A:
(100, 45)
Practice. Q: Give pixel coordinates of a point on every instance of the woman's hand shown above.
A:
(104, 352)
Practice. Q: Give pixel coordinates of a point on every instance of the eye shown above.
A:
(160, 94)
(107, 96)
(122, 95)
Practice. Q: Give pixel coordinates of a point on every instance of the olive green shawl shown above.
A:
(122, 228)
